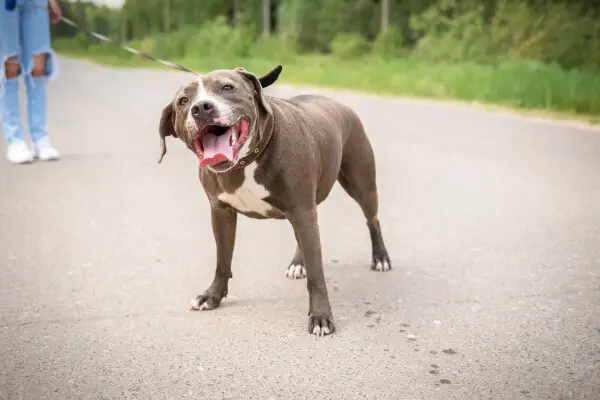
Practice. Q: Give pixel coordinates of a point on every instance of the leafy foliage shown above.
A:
(349, 45)
(532, 54)
(483, 31)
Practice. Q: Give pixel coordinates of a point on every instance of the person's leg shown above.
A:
(40, 64)
(11, 67)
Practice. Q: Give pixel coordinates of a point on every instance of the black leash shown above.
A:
(11, 5)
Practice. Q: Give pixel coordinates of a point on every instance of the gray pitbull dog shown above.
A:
(266, 157)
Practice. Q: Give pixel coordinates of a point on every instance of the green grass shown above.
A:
(532, 87)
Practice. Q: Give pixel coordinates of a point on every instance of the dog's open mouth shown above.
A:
(220, 143)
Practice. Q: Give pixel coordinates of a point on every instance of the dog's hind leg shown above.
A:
(358, 178)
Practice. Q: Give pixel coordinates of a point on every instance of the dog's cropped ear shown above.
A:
(270, 77)
(257, 87)
(166, 128)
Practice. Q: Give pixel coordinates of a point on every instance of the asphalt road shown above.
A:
(492, 222)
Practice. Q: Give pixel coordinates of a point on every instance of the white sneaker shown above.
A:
(45, 151)
(18, 152)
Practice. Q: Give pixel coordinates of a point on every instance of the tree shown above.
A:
(385, 15)
(266, 17)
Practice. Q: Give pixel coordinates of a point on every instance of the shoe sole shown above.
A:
(29, 160)
(51, 158)
(21, 162)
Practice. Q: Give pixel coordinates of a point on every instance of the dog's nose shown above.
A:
(203, 108)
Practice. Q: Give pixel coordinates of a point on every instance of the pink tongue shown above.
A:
(216, 149)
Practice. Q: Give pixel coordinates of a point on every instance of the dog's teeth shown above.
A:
(234, 136)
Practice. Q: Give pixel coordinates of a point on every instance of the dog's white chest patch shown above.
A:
(250, 196)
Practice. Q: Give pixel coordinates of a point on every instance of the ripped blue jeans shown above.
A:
(25, 32)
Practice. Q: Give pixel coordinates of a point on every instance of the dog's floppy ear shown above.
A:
(270, 77)
(166, 128)
(258, 87)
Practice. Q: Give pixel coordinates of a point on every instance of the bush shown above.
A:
(217, 39)
(174, 44)
(389, 44)
(450, 34)
(555, 32)
(349, 45)
(147, 45)
(452, 31)
(82, 40)
(273, 48)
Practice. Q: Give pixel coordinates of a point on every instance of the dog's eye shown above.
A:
(182, 101)
(227, 88)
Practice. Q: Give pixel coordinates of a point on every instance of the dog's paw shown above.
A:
(320, 326)
(381, 266)
(296, 271)
(381, 262)
(205, 302)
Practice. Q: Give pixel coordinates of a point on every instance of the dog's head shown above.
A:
(219, 116)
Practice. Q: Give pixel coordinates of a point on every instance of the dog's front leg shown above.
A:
(224, 223)
(306, 228)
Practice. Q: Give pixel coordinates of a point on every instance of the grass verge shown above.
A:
(532, 88)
